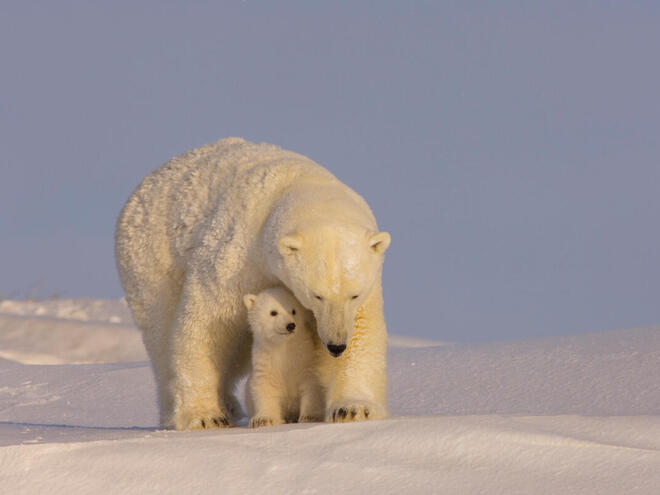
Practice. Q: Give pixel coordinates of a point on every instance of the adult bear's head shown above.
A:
(332, 269)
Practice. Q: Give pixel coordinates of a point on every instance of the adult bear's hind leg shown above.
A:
(155, 317)
(201, 348)
(160, 364)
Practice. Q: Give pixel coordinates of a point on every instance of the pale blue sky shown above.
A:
(511, 150)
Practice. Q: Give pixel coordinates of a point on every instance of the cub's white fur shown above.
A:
(233, 218)
(283, 385)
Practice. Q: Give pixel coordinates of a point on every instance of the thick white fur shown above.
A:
(233, 218)
(283, 384)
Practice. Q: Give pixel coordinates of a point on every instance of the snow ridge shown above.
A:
(577, 414)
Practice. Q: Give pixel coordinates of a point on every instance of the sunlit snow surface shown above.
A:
(574, 414)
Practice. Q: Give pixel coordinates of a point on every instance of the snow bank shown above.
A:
(44, 340)
(608, 373)
(574, 414)
(98, 310)
(459, 455)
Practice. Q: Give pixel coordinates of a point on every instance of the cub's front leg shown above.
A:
(312, 401)
(265, 401)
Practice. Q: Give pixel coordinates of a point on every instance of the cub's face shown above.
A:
(274, 315)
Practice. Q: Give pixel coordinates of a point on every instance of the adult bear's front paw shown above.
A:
(343, 412)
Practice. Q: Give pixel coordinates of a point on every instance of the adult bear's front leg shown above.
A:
(356, 380)
(197, 364)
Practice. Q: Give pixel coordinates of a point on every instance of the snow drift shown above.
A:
(576, 414)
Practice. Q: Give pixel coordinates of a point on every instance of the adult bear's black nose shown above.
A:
(291, 327)
(336, 350)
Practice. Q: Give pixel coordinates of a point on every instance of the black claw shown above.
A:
(203, 424)
(334, 415)
(366, 412)
(353, 413)
(224, 421)
(259, 422)
(343, 412)
(215, 420)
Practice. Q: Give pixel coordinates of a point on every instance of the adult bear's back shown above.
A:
(194, 196)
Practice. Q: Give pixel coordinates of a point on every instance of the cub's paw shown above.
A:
(259, 421)
(310, 418)
(344, 412)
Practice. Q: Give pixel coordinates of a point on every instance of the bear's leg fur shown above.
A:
(265, 394)
(356, 381)
(154, 317)
(311, 401)
(158, 354)
(205, 340)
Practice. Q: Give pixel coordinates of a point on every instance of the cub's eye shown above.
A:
(273, 313)
(318, 297)
(293, 311)
(355, 296)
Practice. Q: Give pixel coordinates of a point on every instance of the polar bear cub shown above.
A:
(283, 385)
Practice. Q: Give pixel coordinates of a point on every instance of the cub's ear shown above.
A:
(290, 244)
(249, 300)
(380, 242)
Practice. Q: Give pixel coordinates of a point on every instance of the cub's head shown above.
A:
(332, 270)
(274, 315)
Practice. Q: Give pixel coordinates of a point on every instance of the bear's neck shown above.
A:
(312, 206)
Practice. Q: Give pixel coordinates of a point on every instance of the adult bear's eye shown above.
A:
(273, 313)
(355, 296)
(318, 297)
(293, 311)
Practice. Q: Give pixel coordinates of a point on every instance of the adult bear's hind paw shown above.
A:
(210, 423)
(204, 421)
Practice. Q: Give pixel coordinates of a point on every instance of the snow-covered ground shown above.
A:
(576, 414)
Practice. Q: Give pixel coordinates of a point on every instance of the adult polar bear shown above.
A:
(232, 218)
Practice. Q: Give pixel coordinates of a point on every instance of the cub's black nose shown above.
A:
(336, 350)
(291, 327)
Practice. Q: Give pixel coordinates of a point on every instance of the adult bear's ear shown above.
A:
(249, 300)
(380, 242)
(290, 244)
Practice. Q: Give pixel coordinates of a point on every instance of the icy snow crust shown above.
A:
(576, 414)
